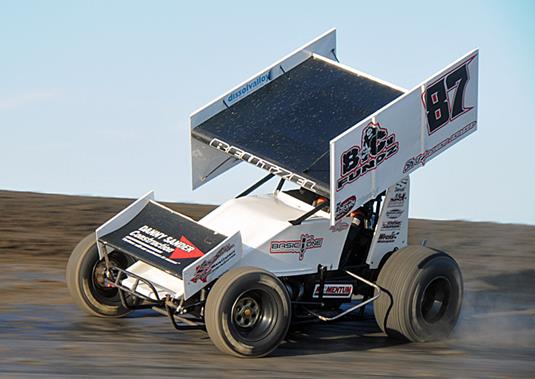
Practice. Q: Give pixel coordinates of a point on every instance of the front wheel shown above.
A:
(247, 312)
(422, 297)
(85, 280)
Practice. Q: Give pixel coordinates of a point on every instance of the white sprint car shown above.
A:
(344, 143)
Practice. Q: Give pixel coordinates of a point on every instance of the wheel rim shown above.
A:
(246, 312)
(435, 299)
(253, 314)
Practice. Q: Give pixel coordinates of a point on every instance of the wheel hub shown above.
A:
(246, 312)
(436, 299)
(99, 274)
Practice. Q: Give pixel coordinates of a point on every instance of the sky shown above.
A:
(95, 96)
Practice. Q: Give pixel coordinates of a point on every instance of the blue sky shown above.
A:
(95, 95)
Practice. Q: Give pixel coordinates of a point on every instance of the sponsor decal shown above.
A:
(334, 290)
(339, 226)
(261, 163)
(249, 87)
(344, 207)
(300, 246)
(401, 186)
(155, 242)
(394, 213)
(397, 200)
(391, 225)
(387, 237)
(442, 106)
(211, 264)
(377, 145)
(184, 249)
(420, 159)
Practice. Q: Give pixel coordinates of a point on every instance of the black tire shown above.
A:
(423, 290)
(84, 279)
(247, 312)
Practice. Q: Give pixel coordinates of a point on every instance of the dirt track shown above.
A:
(43, 335)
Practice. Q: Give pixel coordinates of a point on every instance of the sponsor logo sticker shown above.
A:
(300, 246)
(344, 207)
(422, 158)
(394, 213)
(387, 237)
(339, 226)
(334, 290)
(206, 267)
(401, 186)
(263, 164)
(391, 225)
(377, 145)
(249, 87)
(156, 242)
(397, 200)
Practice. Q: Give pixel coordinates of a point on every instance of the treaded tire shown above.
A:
(422, 296)
(223, 307)
(102, 302)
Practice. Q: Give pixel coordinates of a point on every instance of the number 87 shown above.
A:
(439, 108)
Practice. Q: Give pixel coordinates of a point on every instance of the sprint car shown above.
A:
(342, 144)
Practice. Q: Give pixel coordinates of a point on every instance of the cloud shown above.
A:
(28, 98)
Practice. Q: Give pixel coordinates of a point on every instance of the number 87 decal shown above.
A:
(440, 106)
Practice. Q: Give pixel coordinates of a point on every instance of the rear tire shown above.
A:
(247, 312)
(422, 296)
(84, 278)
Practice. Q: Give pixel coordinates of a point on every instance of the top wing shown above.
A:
(332, 129)
(283, 119)
(207, 162)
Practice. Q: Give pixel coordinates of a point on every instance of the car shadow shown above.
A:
(351, 333)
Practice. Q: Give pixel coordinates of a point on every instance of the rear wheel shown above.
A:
(247, 312)
(422, 296)
(85, 280)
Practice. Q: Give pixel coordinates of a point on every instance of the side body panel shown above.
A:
(393, 223)
(299, 249)
(270, 241)
(405, 134)
(212, 265)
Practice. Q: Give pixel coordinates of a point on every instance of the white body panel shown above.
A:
(207, 163)
(164, 283)
(260, 235)
(393, 224)
(404, 134)
(269, 241)
(212, 265)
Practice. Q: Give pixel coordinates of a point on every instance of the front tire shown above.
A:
(247, 312)
(422, 297)
(85, 280)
